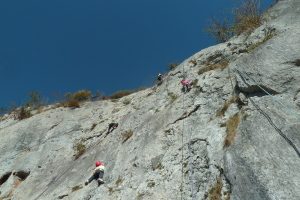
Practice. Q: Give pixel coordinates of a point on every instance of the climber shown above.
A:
(98, 174)
(186, 85)
(159, 79)
(112, 126)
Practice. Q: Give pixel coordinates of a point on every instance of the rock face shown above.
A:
(235, 135)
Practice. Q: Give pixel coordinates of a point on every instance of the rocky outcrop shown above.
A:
(235, 135)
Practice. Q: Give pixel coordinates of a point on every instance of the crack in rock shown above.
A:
(186, 115)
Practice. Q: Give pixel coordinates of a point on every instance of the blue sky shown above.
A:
(59, 46)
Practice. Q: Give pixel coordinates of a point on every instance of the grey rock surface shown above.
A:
(181, 146)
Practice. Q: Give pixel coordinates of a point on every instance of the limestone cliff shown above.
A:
(235, 135)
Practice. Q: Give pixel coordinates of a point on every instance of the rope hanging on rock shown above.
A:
(267, 116)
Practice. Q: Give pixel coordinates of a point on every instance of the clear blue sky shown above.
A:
(57, 46)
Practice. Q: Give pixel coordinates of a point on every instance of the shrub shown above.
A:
(193, 62)
(35, 100)
(194, 82)
(23, 113)
(140, 196)
(77, 187)
(172, 97)
(172, 66)
(93, 126)
(79, 149)
(231, 100)
(119, 181)
(126, 135)
(222, 64)
(231, 126)
(151, 184)
(120, 94)
(297, 62)
(2, 110)
(126, 101)
(73, 99)
(81, 95)
(247, 17)
(72, 103)
(221, 31)
(269, 33)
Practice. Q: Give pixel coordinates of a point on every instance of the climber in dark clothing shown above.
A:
(98, 174)
(111, 127)
(159, 79)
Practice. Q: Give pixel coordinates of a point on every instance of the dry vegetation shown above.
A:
(127, 101)
(220, 30)
(79, 149)
(269, 33)
(297, 62)
(126, 135)
(215, 193)
(172, 66)
(72, 103)
(77, 187)
(172, 97)
(93, 126)
(23, 113)
(119, 181)
(73, 99)
(122, 93)
(231, 100)
(247, 17)
(81, 95)
(231, 128)
(212, 66)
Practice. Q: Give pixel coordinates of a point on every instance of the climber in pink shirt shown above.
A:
(186, 85)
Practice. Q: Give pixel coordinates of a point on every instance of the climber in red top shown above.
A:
(186, 85)
(98, 174)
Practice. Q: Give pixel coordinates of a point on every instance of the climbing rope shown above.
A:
(268, 117)
(182, 144)
(64, 172)
(190, 158)
(229, 74)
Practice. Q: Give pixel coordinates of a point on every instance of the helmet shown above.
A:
(98, 163)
